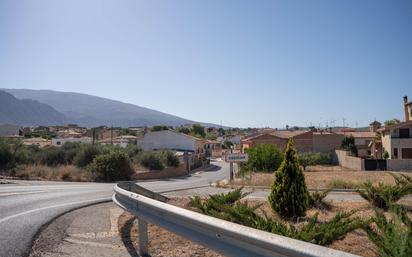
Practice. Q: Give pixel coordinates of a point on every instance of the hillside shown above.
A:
(88, 110)
(27, 112)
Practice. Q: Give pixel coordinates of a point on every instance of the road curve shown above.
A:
(28, 205)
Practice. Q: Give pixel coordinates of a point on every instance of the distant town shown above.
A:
(389, 141)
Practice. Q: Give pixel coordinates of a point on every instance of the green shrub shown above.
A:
(28, 154)
(6, 156)
(151, 160)
(383, 195)
(229, 207)
(310, 159)
(263, 157)
(342, 184)
(348, 144)
(86, 155)
(392, 236)
(289, 194)
(111, 166)
(133, 150)
(70, 150)
(170, 159)
(53, 156)
(316, 199)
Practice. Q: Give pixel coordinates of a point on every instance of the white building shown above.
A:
(167, 139)
(62, 141)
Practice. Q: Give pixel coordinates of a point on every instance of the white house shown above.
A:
(62, 141)
(168, 139)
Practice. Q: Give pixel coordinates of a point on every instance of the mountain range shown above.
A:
(48, 107)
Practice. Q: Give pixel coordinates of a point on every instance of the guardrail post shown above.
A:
(143, 238)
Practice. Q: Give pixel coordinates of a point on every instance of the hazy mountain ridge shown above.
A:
(27, 111)
(87, 110)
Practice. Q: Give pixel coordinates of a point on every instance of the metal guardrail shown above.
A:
(222, 236)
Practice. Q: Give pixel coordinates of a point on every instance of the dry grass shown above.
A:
(323, 179)
(59, 173)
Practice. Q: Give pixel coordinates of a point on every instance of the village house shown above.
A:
(62, 141)
(397, 139)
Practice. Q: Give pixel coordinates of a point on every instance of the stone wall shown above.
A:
(350, 162)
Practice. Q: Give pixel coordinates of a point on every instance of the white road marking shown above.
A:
(74, 241)
(21, 193)
(52, 207)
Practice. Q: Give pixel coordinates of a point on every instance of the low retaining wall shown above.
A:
(399, 165)
(170, 172)
(350, 162)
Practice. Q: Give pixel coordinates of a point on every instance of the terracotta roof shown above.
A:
(287, 133)
(359, 134)
(280, 134)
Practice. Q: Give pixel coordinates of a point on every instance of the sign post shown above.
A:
(235, 157)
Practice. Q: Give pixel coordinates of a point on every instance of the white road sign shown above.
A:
(236, 157)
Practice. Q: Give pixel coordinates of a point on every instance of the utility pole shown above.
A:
(231, 165)
(111, 135)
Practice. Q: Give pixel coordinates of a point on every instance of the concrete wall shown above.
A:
(350, 162)
(399, 165)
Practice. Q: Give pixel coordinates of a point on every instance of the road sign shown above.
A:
(236, 157)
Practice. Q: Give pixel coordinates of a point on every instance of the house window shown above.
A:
(404, 133)
(395, 153)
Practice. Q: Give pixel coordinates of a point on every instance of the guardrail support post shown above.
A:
(143, 238)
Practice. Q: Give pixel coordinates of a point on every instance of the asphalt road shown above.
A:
(28, 205)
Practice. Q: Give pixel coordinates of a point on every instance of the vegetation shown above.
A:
(159, 128)
(311, 159)
(86, 155)
(229, 207)
(382, 195)
(265, 157)
(391, 122)
(316, 199)
(392, 236)
(348, 144)
(342, 184)
(111, 166)
(6, 156)
(151, 161)
(198, 131)
(170, 159)
(289, 196)
(227, 144)
(385, 155)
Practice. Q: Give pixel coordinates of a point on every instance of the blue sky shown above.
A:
(242, 63)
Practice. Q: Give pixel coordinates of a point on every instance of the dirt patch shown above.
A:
(323, 178)
(162, 242)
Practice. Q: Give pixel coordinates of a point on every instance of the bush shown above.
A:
(70, 150)
(316, 199)
(133, 150)
(53, 156)
(151, 161)
(310, 159)
(86, 155)
(392, 236)
(170, 159)
(383, 195)
(263, 157)
(111, 166)
(289, 195)
(229, 207)
(6, 156)
(348, 144)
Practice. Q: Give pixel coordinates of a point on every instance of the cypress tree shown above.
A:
(289, 195)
